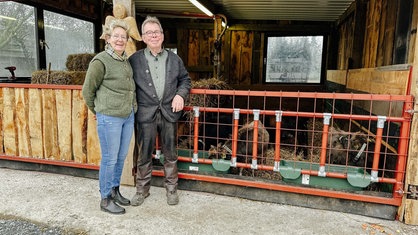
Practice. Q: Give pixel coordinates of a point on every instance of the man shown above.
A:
(162, 85)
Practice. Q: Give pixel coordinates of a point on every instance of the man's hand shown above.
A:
(177, 104)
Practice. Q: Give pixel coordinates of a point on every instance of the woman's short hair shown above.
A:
(108, 29)
(151, 19)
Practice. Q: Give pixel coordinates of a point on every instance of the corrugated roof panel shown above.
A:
(303, 10)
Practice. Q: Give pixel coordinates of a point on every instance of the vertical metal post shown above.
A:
(196, 134)
(403, 147)
(256, 113)
(279, 114)
(157, 147)
(376, 157)
(235, 138)
(327, 118)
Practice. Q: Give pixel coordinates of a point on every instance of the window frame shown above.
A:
(298, 34)
(40, 31)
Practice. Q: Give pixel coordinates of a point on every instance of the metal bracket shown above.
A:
(236, 113)
(196, 111)
(195, 158)
(279, 114)
(157, 154)
(411, 111)
(412, 192)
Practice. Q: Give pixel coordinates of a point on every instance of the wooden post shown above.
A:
(408, 211)
(127, 177)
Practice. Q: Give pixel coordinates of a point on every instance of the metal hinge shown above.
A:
(412, 192)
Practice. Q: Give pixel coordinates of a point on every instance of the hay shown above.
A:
(79, 62)
(58, 77)
(203, 100)
(207, 100)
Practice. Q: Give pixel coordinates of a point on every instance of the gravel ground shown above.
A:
(21, 226)
(44, 203)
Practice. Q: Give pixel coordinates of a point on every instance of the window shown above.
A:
(17, 39)
(294, 59)
(22, 44)
(66, 35)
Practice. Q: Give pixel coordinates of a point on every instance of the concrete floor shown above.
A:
(72, 203)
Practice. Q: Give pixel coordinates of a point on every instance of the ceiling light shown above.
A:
(201, 7)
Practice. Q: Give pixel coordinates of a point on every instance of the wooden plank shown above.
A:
(1, 122)
(9, 127)
(358, 79)
(21, 121)
(372, 33)
(127, 178)
(241, 57)
(345, 45)
(193, 49)
(410, 217)
(389, 33)
(337, 76)
(35, 123)
(375, 32)
(182, 44)
(206, 41)
(49, 125)
(359, 34)
(374, 81)
(412, 36)
(408, 211)
(63, 99)
(93, 144)
(79, 127)
(381, 37)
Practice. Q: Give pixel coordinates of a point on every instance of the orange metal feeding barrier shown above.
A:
(370, 174)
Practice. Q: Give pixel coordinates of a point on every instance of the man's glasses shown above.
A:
(152, 33)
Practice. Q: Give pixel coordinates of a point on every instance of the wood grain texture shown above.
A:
(79, 127)
(50, 125)
(9, 127)
(64, 110)
(35, 123)
(21, 121)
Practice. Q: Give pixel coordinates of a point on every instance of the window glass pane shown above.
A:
(17, 39)
(65, 35)
(294, 59)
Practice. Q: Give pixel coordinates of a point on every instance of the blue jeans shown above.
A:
(115, 135)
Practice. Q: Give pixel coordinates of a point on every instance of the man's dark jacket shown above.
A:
(177, 82)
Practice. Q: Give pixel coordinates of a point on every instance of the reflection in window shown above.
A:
(17, 39)
(66, 35)
(294, 59)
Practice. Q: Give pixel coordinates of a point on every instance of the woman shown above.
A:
(109, 92)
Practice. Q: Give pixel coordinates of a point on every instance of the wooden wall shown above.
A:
(47, 123)
(386, 28)
(51, 122)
